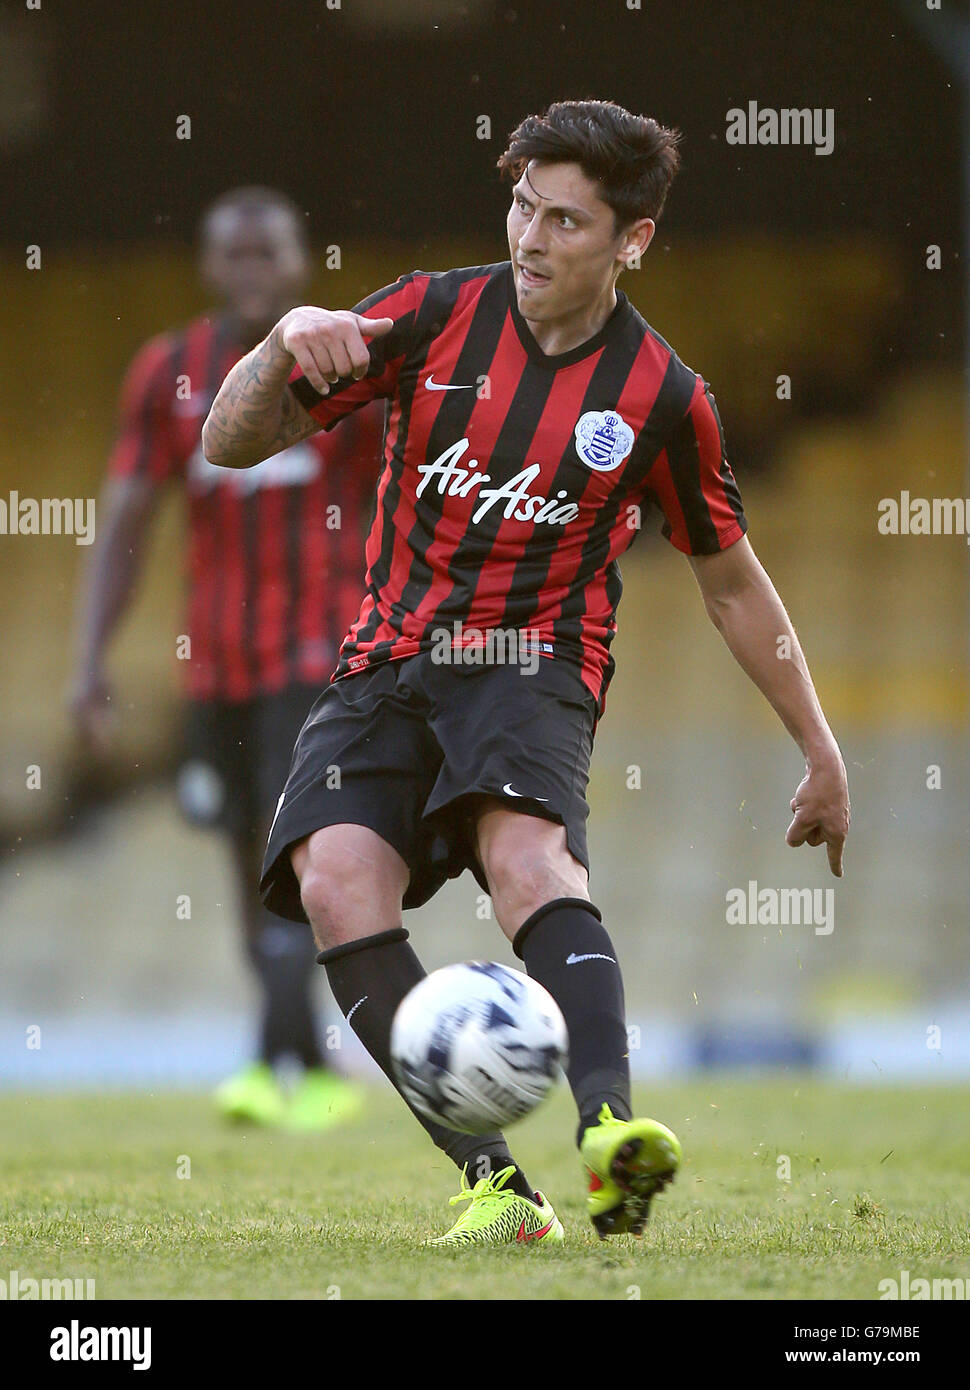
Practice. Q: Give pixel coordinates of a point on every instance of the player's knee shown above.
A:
(346, 894)
(525, 878)
(326, 884)
(318, 895)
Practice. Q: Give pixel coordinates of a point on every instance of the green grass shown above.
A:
(879, 1183)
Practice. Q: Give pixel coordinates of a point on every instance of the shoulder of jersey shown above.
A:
(444, 286)
(460, 274)
(647, 331)
(160, 345)
(172, 341)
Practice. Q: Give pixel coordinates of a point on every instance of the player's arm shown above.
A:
(254, 415)
(744, 606)
(124, 511)
(143, 458)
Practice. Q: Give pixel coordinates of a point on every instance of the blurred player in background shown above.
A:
(275, 566)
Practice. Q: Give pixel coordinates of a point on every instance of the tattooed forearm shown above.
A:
(254, 415)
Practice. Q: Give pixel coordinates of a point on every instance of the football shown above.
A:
(477, 1046)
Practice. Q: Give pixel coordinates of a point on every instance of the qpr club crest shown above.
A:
(603, 439)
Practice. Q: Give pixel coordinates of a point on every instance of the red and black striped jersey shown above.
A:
(275, 552)
(513, 480)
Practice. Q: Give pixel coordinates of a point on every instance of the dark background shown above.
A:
(369, 121)
(371, 129)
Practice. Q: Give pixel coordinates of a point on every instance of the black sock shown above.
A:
(283, 955)
(567, 949)
(369, 978)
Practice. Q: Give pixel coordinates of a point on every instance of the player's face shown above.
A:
(563, 242)
(255, 263)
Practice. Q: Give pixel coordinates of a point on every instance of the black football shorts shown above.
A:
(236, 757)
(406, 748)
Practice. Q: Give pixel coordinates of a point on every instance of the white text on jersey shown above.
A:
(460, 482)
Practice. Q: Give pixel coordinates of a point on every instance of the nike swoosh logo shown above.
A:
(573, 959)
(507, 789)
(432, 385)
(356, 1007)
(534, 1235)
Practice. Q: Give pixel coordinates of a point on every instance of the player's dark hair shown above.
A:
(633, 158)
(252, 200)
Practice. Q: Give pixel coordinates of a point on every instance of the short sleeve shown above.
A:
(693, 484)
(144, 445)
(399, 302)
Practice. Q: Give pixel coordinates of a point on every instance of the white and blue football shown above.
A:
(477, 1046)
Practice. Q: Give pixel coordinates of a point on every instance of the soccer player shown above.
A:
(530, 407)
(275, 560)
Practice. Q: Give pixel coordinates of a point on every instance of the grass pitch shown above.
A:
(90, 1187)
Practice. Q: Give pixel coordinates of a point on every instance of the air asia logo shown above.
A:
(520, 504)
(603, 439)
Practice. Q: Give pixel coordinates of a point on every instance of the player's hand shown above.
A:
(92, 709)
(329, 345)
(821, 807)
